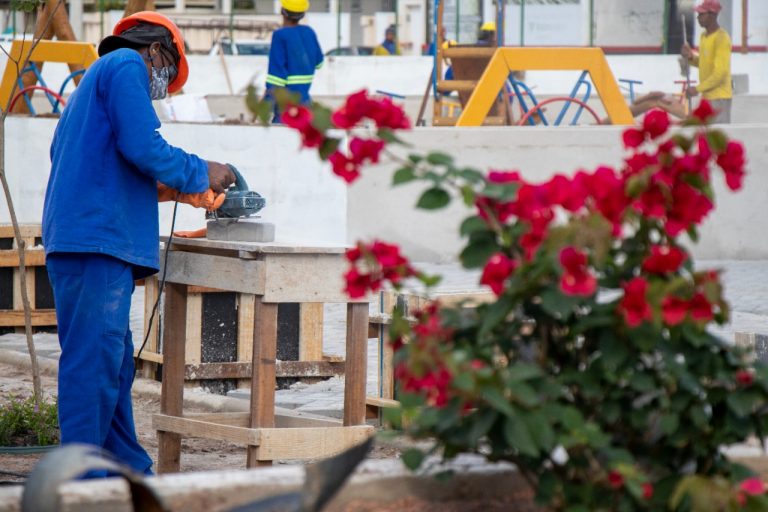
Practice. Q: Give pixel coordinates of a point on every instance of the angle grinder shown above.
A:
(231, 220)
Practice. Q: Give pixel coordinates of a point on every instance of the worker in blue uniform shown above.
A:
(294, 55)
(100, 223)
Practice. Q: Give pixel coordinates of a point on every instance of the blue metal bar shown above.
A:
(581, 81)
(631, 86)
(51, 99)
(516, 85)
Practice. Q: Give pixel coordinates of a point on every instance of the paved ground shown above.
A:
(746, 287)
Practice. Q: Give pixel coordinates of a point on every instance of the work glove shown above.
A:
(209, 199)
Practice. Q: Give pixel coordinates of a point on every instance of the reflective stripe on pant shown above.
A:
(93, 301)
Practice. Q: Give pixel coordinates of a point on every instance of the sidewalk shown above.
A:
(745, 282)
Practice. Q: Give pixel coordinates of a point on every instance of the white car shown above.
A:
(241, 47)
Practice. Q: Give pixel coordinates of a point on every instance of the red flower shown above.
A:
(365, 149)
(655, 123)
(576, 280)
(610, 199)
(647, 490)
(689, 207)
(344, 167)
(353, 254)
(358, 284)
(704, 111)
(353, 111)
(502, 177)
(744, 378)
(496, 271)
(701, 309)
(568, 193)
(297, 117)
(633, 137)
(673, 310)
(663, 259)
(732, 162)
(615, 479)
(634, 306)
(388, 115)
(531, 240)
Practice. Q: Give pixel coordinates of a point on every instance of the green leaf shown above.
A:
(614, 352)
(437, 158)
(321, 117)
(404, 175)
(741, 403)
(523, 371)
(541, 430)
(717, 140)
(496, 400)
(412, 458)
(430, 281)
(669, 423)
(415, 158)
(471, 225)
(471, 175)
(558, 305)
(388, 136)
(519, 437)
(642, 382)
(463, 381)
(468, 195)
(477, 252)
(494, 313)
(328, 147)
(264, 112)
(433, 198)
(481, 425)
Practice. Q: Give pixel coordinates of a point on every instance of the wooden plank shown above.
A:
(386, 365)
(149, 367)
(469, 52)
(27, 230)
(193, 352)
(188, 427)
(32, 258)
(204, 289)
(456, 85)
(246, 303)
(246, 276)
(150, 357)
(309, 443)
(311, 331)
(355, 371)
(244, 370)
(263, 376)
(40, 318)
(243, 419)
(305, 278)
(172, 390)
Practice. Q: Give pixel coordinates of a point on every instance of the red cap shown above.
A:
(709, 6)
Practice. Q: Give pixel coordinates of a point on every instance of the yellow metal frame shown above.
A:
(68, 52)
(505, 60)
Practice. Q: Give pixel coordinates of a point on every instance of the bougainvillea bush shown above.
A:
(593, 370)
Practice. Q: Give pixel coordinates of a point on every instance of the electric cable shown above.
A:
(159, 294)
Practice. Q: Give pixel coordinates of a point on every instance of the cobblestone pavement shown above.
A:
(746, 288)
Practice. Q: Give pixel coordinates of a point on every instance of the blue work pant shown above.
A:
(93, 301)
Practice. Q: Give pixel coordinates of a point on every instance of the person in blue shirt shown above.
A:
(100, 223)
(294, 55)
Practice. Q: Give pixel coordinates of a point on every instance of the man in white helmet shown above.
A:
(294, 55)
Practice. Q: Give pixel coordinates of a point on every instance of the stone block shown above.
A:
(240, 230)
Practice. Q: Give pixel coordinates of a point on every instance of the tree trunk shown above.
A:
(20, 246)
(134, 6)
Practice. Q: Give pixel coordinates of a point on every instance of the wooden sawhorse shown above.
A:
(273, 274)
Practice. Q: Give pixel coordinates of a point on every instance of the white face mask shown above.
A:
(160, 79)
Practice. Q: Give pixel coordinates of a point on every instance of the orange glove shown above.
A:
(198, 233)
(208, 199)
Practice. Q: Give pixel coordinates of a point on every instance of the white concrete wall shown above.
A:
(304, 199)
(736, 230)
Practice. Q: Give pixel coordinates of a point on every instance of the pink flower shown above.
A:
(502, 177)
(634, 305)
(365, 149)
(664, 259)
(353, 111)
(297, 117)
(752, 486)
(615, 479)
(655, 123)
(358, 284)
(498, 268)
(576, 280)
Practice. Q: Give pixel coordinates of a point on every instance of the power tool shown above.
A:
(231, 220)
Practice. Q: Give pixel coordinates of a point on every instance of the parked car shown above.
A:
(350, 50)
(241, 47)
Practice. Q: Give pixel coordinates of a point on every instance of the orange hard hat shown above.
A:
(155, 18)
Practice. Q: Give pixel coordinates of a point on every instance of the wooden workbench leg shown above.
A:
(356, 364)
(172, 391)
(263, 376)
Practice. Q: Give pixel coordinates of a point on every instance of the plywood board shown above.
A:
(309, 443)
(188, 427)
(237, 275)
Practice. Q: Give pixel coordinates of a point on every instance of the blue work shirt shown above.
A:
(294, 56)
(107, 157)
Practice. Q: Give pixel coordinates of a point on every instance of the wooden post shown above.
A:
(263, 375)
(151, 289)
(172, 395)
(245, 325)
(311, 331)
(355, 365)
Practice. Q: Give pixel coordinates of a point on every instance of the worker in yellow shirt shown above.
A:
(390, 45)
(713, 61)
